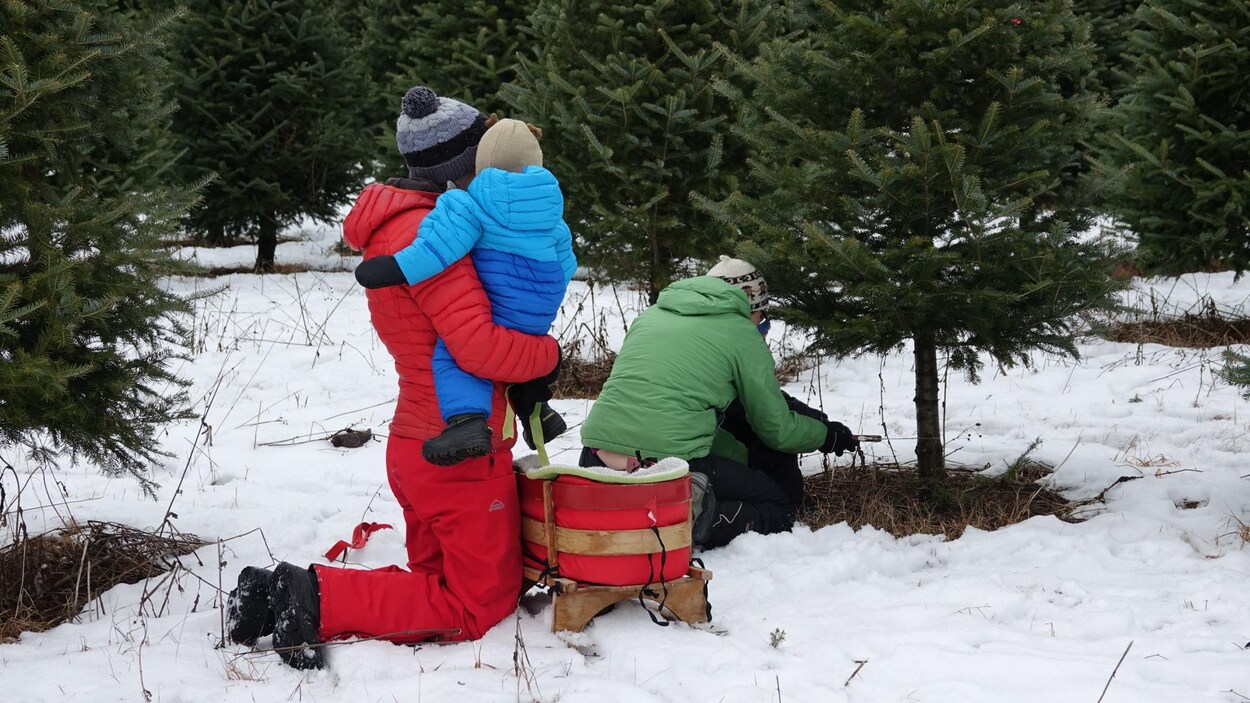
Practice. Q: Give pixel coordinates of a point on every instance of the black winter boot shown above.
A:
(466, 436)
(552, 423)
(296, 602)
(248, 616)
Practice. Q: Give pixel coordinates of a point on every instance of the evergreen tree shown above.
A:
(386, 32)
(469, 48)
(268, 94)
(1182, 131)
(909, 160)
(463, 49)
(632, 125)
(87, 332)
(1237, 371)
(1111, 23)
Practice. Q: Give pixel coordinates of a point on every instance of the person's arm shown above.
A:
(767, 410)
(733, 420)
(446, 234)
(460, 311)
(802, 408)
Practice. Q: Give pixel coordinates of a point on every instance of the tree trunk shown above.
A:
(216, 236)
(653, 271)
(930, 460)
(266, 245)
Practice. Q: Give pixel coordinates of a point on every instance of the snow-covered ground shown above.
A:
(1041, 611)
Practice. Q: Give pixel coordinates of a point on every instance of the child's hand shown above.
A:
(380, 272)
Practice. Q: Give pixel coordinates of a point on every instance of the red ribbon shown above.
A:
(360, 536)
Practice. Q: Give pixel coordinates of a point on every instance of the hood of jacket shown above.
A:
(704, 295)
(380, 203)
(530, 200)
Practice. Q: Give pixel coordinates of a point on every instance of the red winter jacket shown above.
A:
(451, 305)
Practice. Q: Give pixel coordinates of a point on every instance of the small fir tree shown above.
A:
(632, 125)
(387, 33)
(1111, 24)
(1237, 371)
(87, 332)
(1181, 130)
(471, 47)
(268, 94)
(909, 160)
(462, 49)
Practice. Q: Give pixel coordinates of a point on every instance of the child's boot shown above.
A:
(466, 436)
(552, 423)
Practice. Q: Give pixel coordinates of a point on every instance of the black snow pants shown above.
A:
(746, 500)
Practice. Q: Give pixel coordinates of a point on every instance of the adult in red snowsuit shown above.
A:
(463, 523)
(463, 528)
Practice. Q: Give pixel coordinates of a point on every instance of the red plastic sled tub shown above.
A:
(581, 504)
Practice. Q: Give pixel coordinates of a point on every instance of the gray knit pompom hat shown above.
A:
(438, 136)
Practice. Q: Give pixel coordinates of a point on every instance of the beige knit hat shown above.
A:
(737, 272)
(509, 145)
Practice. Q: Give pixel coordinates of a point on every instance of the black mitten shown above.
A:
(838, 439)
(527, 395)
(380, 272)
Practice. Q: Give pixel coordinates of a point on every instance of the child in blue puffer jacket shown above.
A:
(510, 220)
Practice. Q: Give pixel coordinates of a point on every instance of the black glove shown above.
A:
(527, 395)
(380, 272)
(838, 439)
(798, 406)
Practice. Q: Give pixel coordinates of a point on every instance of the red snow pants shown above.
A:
(464, 555)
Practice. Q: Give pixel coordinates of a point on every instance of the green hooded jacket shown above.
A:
(683, 359)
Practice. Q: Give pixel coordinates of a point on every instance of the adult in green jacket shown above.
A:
(696, 353)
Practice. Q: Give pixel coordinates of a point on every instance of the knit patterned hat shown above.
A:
(509, 145)
(737, 272)
(438, 136)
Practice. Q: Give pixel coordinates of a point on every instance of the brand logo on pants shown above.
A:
(496, 506)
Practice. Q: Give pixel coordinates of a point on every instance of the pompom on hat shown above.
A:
(737, 272)
(438, 137)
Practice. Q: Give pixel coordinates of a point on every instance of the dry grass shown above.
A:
(351, 438)
(893, 498)
(581, 378)
(1126, 270)
(1201, 330)
(1238, 529)
(587, 359)
(793, 365)
(47, 579)
(279, 268)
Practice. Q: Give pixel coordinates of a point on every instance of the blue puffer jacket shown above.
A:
(512, 224)
(513, 213)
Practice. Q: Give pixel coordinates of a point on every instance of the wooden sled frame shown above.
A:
(575, 604)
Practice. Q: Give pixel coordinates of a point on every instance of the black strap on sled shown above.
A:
(646, 589)
(707, 602)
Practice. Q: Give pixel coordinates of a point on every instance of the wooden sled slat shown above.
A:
(606, 542)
